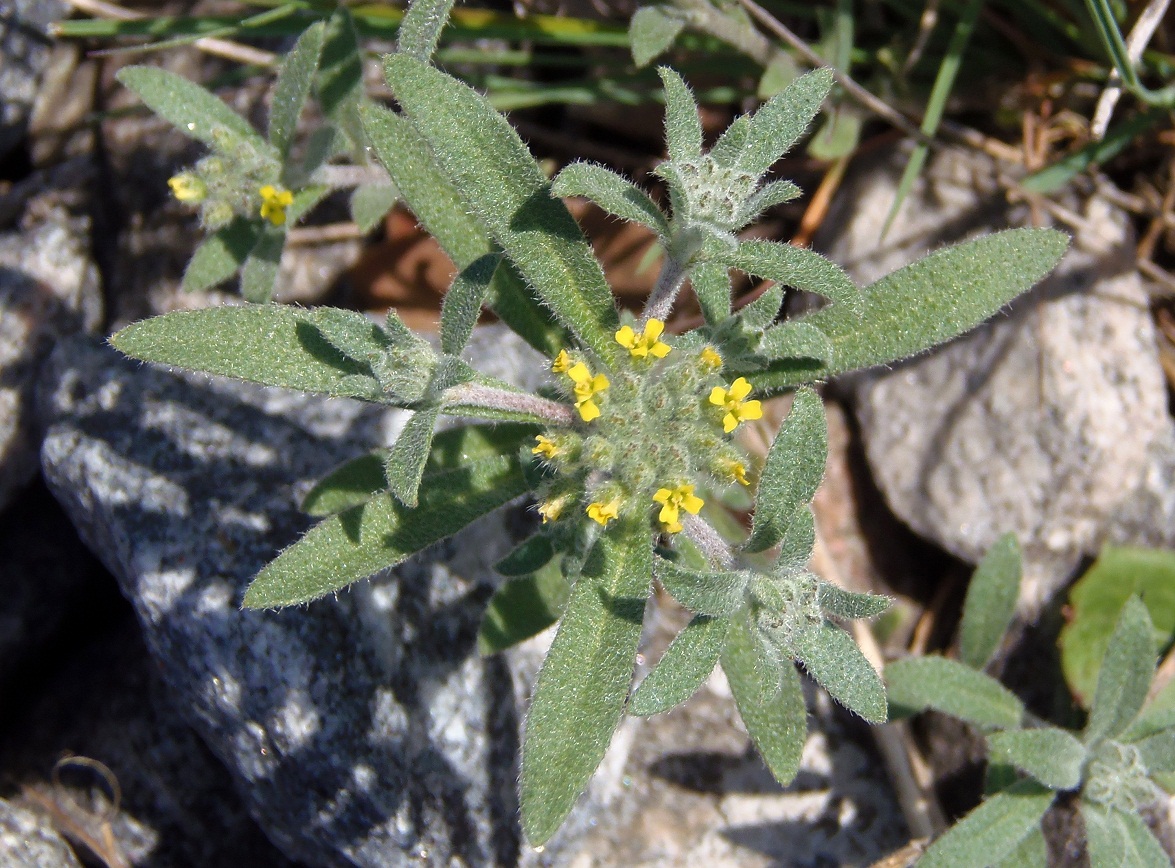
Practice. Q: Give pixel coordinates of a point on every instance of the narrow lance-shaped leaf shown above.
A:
(837, 664)
(793, 472)
(420, 29)
(274, 345)
(683, 125)
(683, 668)
(371, 203)
(294, 81)
(1125, 676)
(991, 602)
(711, 284)
(489, 165)
(522, 608)
(796, 340)
(259, 273)
(707, 592)
(993, 830)
(795, 548)
(439, 207)
(186, 106)
(406, 459)
(340, 79)
(846, 604)
(651, 32)
(930, 301)
(470, 472)
(1120, 840)
(761, 312)
(528, 556)
(1031, 852)
(220, 255)
(918, 683)
(1050, 755)
(769, 698)
(579, 696)
(355, 482)
(615, 194)
(463, 301)
(796, 267)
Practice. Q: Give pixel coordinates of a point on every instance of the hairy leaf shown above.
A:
(711, 284)
(470, 471)
(1158, 751)
(406, 459)
(793, 472)
(846, 604)
(188, 107)
(927, 302)
(580, 693)
(833, 659)
(615, 194)
(993, 830)
(420, 29)
(370, 204)
(796, 267)
(259, 273)
(488, 164)
(991, 602)
(1031, 852)
(772, 194)
(769, 698)
(531, 554)
(523, 607)
(1125, 674)
(220, 255)
(683, 126)
(1051, 755)
(294, 81)
(918, 683)
(463, 301)
(683, 668)
(796, 340)
(761, 312)
(706, 592)
(651, 32)
(799, 538)
(353, 483)
(1119, 840)
(340, 79)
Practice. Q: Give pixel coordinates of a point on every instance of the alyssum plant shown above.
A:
(621, 505)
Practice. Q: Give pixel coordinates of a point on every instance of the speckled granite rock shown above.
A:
(1044, 420)
(24, 45)
(26, 839)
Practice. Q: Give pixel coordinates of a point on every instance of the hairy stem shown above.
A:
(491, 398)
(713, 546)
(669, 283)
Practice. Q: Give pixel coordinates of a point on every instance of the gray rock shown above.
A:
(360, 730)
(48, 289)
(24, 45)
(26, 838)
(1043, 420)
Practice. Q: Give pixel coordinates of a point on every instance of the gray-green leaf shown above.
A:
(522, 608)
(796, 267)
(651, 32)
(470, 472)
(615, 194)
(294, 81)
(706, 592)
(420, 29)
(1051, 755)
(1125, 675)
(991, 602)
(993, 830)
(371, 203)
(832, 658)
(796, 340)
(711, 284)
(846, 604)
(531, 554)
(406, 459)
(683, 126)
(259, 273)
(793, 472)
(220, 255)
(186, 106)
(489, 165)
(353, 483)
(580, 693)
(1119, 840)
(685, 665)
(918, 683)
(463, 301)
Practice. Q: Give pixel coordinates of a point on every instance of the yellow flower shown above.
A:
(550, 510)
(672, 502)
(586, 389)
(732, 401)
(710, 358)
(647, 344)
(274, 203)
(604, 512)
(545, 448)
(561, 362)
(739, 471)
(187, 187)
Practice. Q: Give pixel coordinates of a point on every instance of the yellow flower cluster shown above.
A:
(672, 501)
(733, 401)
(274, 203)
(644, 345)
(587, 387)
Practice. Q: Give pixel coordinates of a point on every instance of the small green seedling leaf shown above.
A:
(580, 693)
(848, 605)
(532, 554)
(370, 204)
(927, 302)
(523, 608)
(991, 602)
(1052, 756)
(406, 459)
(220, 255)
(796, 267)
(686, 664)
(1097, 600)
(294, 82)
(259, 273)
(793, 472)
(769, 698)
(706, 592)
(420, 29)
(488, 164)
(353, 483)
(470, 473)
(1125, 675)
(613, 193)
(918, 683)
(837, 664)
(651, 33)
(993, 830)
(463, 301)
(683, 125)
(188, 107)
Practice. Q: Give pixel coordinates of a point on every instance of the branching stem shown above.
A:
(491, 398)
